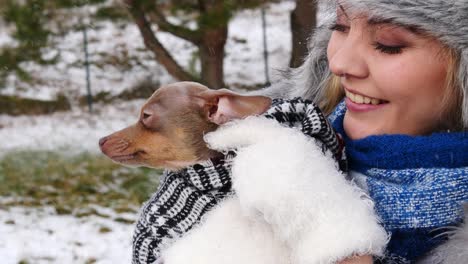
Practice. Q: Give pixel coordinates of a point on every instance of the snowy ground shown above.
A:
(74, 131)
(40, 235)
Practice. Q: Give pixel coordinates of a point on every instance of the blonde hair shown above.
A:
(452, 101)
(334, 93)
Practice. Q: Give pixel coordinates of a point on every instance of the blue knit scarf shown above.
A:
(418, 184)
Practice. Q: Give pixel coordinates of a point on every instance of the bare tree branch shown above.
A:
(179, 31)
(153, 44)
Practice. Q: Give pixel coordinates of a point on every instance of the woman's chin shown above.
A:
(358, 129)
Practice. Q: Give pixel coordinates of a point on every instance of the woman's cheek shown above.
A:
(333, 45)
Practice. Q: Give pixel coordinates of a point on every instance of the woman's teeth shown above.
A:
(359, 99)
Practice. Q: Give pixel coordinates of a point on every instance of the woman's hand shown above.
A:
(357, 260)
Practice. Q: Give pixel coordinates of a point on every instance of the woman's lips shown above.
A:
(360, 103)
(362, 99)
(354, 107)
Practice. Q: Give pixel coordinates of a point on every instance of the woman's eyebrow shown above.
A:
(374, 21)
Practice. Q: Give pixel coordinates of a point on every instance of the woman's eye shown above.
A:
(388, 49)
(339, 27)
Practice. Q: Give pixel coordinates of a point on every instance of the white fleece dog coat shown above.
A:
(292, 205)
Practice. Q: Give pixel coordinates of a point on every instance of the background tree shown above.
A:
(30, 34)
(31, 20)
(210, 35)
(303, 21)
(34, 22)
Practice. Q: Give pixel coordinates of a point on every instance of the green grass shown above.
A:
(73, 184)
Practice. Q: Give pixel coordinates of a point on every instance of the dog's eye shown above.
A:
(148, 118)
(146, 114)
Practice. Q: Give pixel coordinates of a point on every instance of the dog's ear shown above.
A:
(221, 106)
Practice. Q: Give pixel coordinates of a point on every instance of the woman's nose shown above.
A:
(346, 57)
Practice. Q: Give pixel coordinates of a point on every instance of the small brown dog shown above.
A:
(172, 123)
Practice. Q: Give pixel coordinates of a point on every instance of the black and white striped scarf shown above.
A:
(184, 196)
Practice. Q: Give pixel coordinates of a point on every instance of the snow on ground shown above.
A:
(41, 236)
(73, 131)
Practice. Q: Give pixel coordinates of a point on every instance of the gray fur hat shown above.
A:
(446, 20)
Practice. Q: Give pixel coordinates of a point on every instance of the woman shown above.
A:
(400, 69)
(394, 76)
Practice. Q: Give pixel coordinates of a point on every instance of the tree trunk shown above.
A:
(212, 57)
(303, 21)
(162, 56)
(210, 38)
(213, 24)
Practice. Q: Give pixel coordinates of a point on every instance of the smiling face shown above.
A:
(394, 77)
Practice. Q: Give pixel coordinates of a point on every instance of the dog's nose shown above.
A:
(102, 141)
